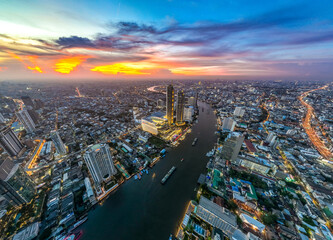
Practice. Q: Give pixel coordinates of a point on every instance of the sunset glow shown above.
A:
(67, 65)
(228, 40)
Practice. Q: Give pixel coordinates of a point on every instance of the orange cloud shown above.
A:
(207, 70)
(36, 68)
(67, 65)
(31, 60)
(124, 68)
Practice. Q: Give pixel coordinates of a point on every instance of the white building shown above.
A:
(271, 138)
(239, 112)
(228, 124)
(188, 114)
(58, 143)
(152, 123)
(25, 118)
(99, 161)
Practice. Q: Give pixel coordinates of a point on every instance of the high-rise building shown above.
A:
(27, 101)
(99, 161)
(232, 146)
(15, 184)
(25, 118)
(271, 138)
(170, 103)
(34, 115)
(2, 119)
(188, 114)
(192, 101)
(58, 143)
(239, 112)
(180, 107)
(10, 142)
(228, 124)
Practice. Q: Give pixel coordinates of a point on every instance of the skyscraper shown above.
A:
(27, 101)
(180, 107)
(170, 103)
(232, 146)
(99, 161)
(58, 143)
(15, 184)
(10, 142)
(26, 120)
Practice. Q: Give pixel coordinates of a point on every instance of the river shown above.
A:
(146, 209)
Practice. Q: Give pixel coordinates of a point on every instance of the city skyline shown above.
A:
(44, 40)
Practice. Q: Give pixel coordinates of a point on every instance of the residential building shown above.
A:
(99, 161)
(10, 142)
(58, 143)
(25, 118)
(239, 112)
(232, 146)
(228, 124)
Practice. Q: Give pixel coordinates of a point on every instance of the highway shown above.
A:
(310, 131)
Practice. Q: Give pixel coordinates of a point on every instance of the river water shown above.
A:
(146, 209)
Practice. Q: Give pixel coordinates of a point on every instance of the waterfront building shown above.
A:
(170, 104)
(188, 114)
(25, 118)
(180, 107)
(152, 123)
(10, 142)
(99, 161)
(228, 124)
(239, 112)
(15, 184)
(232, 146)
(192, 101)
(58, 143)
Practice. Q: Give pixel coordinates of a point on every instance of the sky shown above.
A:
(166, 39)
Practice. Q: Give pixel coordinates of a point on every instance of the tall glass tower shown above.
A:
(180, 107)
(170, 103)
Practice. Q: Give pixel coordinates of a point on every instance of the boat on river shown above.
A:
(168, 175)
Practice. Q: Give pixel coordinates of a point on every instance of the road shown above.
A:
(310, 131)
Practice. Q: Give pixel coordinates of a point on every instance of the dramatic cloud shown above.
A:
(265, 44)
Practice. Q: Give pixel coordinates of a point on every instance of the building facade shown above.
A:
(170, 104)
(10, 142)
(58, 143)
(180, 107)
(25, 118)
(232, 146)
(228, 124)
(99, 161)
(15, 184)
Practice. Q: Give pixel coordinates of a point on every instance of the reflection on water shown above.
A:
(146, 209)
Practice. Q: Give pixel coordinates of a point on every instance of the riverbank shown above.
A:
(146, 209)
